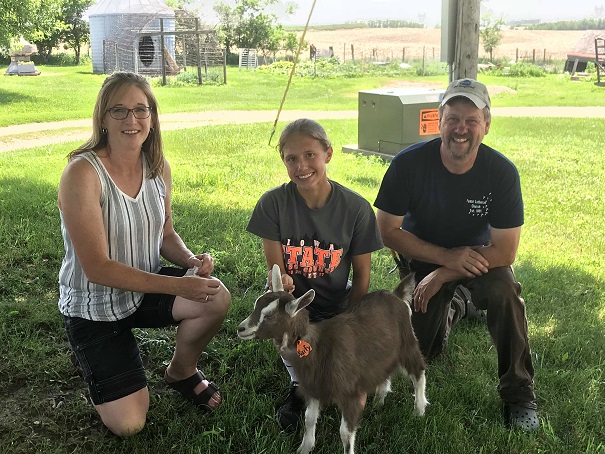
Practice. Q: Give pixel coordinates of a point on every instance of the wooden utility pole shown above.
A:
(460, 37)
(467, 39)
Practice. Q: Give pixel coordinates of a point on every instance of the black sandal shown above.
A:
(186, 388)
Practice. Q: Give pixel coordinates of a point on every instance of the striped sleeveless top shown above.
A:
(134, 229)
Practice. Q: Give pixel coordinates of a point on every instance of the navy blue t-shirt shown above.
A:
(451, 210)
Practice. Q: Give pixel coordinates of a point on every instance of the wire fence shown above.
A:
(348, 52)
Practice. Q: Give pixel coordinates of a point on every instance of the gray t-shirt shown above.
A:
(318, 244)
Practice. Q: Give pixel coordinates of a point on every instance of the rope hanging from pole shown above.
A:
(300, 44)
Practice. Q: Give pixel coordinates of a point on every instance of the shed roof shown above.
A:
(585, 45)
(106, 7)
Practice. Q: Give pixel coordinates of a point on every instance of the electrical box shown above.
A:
(391, 119)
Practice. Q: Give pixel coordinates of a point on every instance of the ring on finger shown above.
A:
(207, 297)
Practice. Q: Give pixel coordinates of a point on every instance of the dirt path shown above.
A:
(19, 137)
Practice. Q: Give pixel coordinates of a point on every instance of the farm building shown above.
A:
(583, 51)
(118, 38)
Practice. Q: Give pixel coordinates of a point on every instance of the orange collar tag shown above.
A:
(303, 348)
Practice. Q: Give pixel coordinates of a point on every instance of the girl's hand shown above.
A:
(204, 263)
(287, 282)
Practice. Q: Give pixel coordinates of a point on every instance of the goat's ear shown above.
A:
(276, 283)
(295, 306)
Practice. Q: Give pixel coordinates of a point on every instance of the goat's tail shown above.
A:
(405, 289)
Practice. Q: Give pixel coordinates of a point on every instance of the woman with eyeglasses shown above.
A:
(116, 221)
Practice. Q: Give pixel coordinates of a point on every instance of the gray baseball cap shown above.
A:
(469, 88)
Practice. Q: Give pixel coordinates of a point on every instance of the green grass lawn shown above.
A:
(64, 93)
(219, 173)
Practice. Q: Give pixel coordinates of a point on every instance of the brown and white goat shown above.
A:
(342, 359)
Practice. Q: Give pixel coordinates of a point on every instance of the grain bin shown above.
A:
(117, 35)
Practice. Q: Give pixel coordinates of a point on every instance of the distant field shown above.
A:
(390, 43)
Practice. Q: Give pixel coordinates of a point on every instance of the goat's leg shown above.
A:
(381, 392)
(420, 401)
(351, 413)
(347, 435)
(311, 416)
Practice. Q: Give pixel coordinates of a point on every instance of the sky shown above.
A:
(426, 11)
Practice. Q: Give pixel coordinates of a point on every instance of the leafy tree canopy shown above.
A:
(249, 24)
(45, 23)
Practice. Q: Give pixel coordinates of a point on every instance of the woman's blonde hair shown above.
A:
(152, 147)
(305, 127)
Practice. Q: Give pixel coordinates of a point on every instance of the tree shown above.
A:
(14, 15)
(45, 23)
(228, 21)
(179, 4)
(247, 25)
(490, 34)
(45, 27)
(274, 42)
(291, 42)
(76, 32)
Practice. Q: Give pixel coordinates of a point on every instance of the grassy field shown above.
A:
(219, 173)
(64, 93)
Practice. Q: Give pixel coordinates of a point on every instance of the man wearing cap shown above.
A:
(452, 208)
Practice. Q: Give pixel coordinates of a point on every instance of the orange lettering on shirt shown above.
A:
(307, 257)
(292, 252)
(321, 255)
(335, 259)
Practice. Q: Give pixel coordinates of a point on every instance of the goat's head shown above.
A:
(273, 311)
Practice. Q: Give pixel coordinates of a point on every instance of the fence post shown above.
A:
(517, 55)
(197, 49)
(352, 53)
(533, 58)
(544, 56)
(403, 55)
(423, 60)
(162, 51)
(184, 44)
(344, 52)
(225, 66)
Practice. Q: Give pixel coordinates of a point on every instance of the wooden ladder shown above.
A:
(599, 47)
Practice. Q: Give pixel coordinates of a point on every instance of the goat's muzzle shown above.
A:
(246, 332)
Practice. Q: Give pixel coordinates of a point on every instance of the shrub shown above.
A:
(332, 68)
(61, 59)
(189, 78)
(520, 70)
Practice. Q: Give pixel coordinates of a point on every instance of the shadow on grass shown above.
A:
(13, 97)
(45, 407)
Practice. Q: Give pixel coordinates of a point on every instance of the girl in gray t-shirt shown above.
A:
(317, 231)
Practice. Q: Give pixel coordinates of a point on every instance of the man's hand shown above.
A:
(467, 261)
(426, 289)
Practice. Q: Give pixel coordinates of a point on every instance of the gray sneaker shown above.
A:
(462, 297)
(522, 415)
(290, 411)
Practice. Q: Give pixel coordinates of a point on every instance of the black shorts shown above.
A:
(107, 352)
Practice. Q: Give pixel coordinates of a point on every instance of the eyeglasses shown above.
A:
(120, 113)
